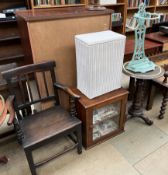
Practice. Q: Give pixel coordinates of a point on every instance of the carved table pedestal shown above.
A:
(136, 110)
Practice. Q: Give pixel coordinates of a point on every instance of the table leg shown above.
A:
(136, 109)
(131, 88)
(151, 95)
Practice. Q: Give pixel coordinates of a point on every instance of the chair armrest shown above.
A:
(10, 108)
(67, 90)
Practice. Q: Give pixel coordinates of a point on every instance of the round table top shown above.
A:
(158, 72)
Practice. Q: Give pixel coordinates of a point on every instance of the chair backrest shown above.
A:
(33, 80)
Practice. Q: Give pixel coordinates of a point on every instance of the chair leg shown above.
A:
(30, 162)
(79, 139)
(164, 104)
(151, 95)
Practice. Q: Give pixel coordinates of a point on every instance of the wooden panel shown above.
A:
(10, 50)
(158, 37)
(90, 103)
(59, 13)
(6, 4)
(23, 30)
(54, 40)
(8, 29)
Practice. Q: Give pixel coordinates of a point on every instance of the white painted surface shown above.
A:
(99, 59)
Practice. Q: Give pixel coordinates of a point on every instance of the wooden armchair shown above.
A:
(33, 128)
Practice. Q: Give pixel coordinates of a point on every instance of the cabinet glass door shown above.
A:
(105, 120)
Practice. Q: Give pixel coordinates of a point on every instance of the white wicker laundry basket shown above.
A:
(99, 59)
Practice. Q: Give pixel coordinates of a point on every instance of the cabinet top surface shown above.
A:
(86, 102)
(57, 13)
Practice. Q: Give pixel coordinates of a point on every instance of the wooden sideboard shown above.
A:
(49, 35)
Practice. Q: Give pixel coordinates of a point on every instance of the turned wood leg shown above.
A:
(30, 161)
(131, 88)
(151, 95)
(136, 109)
(18, 130)
(164, 104)
(79, 140)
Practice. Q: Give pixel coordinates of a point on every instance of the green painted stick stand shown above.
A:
(141, 63)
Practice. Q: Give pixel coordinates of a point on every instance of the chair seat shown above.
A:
(46, 124)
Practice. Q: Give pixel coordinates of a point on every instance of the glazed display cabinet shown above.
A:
(102, 117)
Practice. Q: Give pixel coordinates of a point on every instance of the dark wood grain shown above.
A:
(88, 103)
(5, 4)
(35, 129)
(63, 27)
(85, 109)
(157, 36)
(58, 120)
(59, 13)
(23, 31)
(27, 69)
(163, 85)
(162, 60)
(10, 46)
(164, 104)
